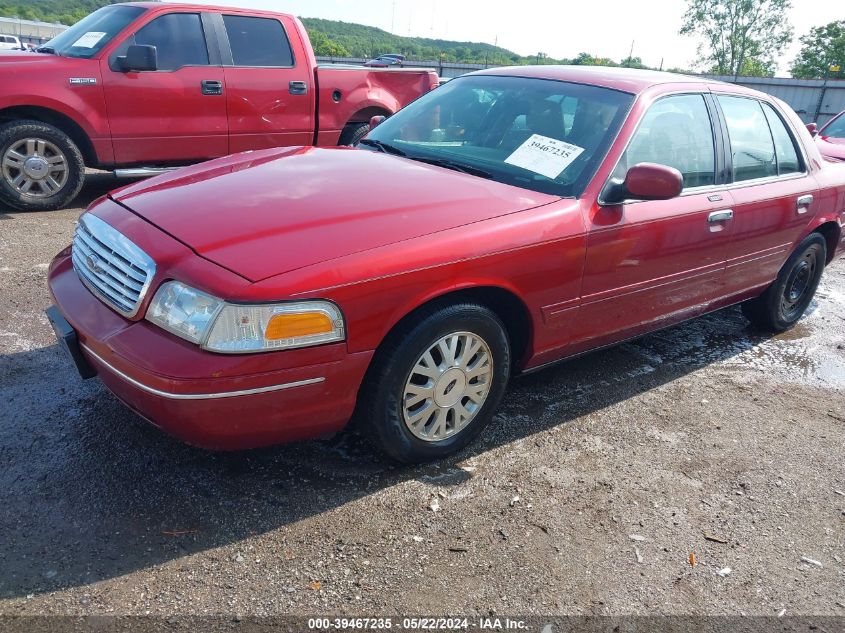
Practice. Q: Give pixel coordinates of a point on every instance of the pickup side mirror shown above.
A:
(645, 181)
(376, 121)
(139, 58)
(813, 129)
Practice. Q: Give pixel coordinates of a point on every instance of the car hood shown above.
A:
(267, 212)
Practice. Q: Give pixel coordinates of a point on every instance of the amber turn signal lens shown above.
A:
(285, 326)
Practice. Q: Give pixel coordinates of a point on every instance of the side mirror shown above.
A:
(813, 129)
(376, 121)
(645, 181)
(139, 58)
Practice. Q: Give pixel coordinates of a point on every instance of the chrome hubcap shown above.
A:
(35, 167)
(447, 386)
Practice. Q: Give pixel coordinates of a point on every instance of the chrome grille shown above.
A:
(116, 270)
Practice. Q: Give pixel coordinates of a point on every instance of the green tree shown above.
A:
(633, 62)
(821, 48)
(738, 35)
(325, 47)
(585, 59)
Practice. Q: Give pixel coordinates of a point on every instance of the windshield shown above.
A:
(836, 129)
(88, 36)
(548, 136)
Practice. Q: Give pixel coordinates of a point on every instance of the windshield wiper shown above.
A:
(451, 164)
(383, 147)
(46, 49)
(440, 162)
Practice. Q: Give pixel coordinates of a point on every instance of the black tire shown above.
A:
(16, 132)
(785, 301)
(353, 133)
(381, 416)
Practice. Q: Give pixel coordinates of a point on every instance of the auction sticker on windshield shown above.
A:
(545, 156)
(89, 40)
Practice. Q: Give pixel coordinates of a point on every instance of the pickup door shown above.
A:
(174, 114)
(269, 82)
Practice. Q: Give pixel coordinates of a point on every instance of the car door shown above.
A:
(653, 262)
(176, 113)
(773, 194)
(269, 82)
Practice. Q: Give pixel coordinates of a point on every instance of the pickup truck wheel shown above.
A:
(435, 385)
(353, 133)
(40, 166)
(785, 301)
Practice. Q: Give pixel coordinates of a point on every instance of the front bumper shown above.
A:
(211, 400)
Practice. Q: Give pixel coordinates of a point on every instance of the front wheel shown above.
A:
(786, 300)
(40, 166)
(435, 385)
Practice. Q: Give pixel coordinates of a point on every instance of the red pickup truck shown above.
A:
(153, 85)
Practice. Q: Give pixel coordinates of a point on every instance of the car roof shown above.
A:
(633, 80)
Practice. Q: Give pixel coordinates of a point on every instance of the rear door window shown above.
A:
(785, 152)
(260, 42)
(752, 148)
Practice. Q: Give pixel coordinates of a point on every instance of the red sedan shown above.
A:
(508, 220)
(831, 138)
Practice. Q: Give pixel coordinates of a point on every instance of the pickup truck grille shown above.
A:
(117, 271)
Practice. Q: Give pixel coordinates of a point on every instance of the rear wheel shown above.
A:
(785, 301)
(40, 166)
(435, 385)
(353, 133)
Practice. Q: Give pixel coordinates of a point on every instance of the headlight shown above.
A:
(236, 329)
(255, 328)
(184, 311)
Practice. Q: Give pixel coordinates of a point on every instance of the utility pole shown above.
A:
(830, 68)
(630, 55)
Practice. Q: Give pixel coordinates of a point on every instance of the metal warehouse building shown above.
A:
(30, 30)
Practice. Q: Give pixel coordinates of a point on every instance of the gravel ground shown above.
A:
(599, 481)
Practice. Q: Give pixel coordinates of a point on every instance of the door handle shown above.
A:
(720, 216)
(298, 88)
(804, 203)
(212, 87)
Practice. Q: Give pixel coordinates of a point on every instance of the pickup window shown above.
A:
(258, 42)
(178, 38)
(87, 37)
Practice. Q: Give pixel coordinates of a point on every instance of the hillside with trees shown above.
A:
(61, 11)
(742, 37)
(330, 38)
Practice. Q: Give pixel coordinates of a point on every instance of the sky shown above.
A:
(561, 29)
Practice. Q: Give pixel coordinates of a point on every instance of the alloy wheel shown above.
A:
(35, 167)
(447, 386)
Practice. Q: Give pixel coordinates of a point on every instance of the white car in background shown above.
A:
(10, 42)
